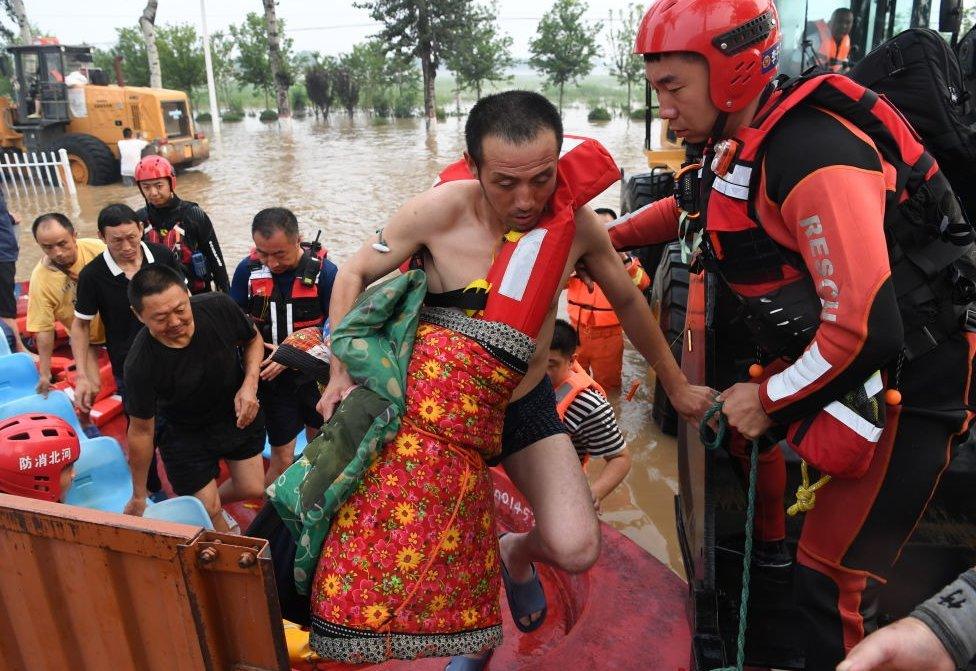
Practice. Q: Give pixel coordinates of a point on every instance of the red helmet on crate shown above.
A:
(155, 167)
(740, 40)
(34, 450)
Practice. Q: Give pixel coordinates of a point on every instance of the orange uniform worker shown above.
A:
(834, 39)
(601, 339)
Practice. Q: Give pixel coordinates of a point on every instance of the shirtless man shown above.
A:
(456, 227)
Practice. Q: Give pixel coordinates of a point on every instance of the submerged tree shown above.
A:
(277, 57)
(320, 81)
(424, 29)
(345, 87)
(147, 23)
(253, 60)
(565, 45)
(627, 66)
(481, 54)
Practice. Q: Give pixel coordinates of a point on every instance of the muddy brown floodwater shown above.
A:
(344, 177)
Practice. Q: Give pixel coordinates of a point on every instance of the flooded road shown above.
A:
(344, 177)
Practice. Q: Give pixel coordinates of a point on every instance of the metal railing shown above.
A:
(23, 174)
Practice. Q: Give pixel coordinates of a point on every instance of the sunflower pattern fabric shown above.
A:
(375, 341)
(410, 567)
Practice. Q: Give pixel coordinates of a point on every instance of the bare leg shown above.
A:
(210, 498)
(246, 480)
(566, 533)
(282, 457)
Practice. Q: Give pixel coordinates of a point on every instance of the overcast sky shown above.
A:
(327, 26)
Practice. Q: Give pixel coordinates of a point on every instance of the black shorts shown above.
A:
(289, 403)
(529, 420)
(8, 304)
(192, 455)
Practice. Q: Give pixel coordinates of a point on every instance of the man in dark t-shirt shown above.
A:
(185, 383)
(101, 291)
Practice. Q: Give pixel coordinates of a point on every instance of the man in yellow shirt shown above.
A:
(53, 283)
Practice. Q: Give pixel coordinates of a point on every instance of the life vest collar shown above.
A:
(528, 268)
(575, 384)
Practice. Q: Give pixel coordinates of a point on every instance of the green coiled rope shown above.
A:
(712, 439)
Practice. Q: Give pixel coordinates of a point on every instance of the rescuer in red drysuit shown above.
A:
(845, 246)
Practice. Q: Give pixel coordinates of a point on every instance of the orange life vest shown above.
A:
(277, 316)
(834, 54)
(575, 384)
(593, 309)
(526, 273)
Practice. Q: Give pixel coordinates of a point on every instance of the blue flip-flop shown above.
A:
(525, 598)
(462, 663)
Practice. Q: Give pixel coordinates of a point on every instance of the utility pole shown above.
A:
(211, 88)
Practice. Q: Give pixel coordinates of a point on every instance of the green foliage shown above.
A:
(320, 82)
(181, 58)
(298, 97)
(132, 48)
(268, 115)
(599, 114)
(253, 62)
(423, 29)
(638, 113)
(386, 84)
(480, 55)
(204, 116)
(626, 66)
(232, 117)
(222, 60)
(345, 87)
(565, 45)
(234, 104)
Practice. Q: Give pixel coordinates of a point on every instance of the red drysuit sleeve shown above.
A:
(652, 224)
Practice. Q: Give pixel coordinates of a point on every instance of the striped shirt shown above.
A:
(592, 426)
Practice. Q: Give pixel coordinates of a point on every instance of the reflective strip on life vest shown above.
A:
(273, 306)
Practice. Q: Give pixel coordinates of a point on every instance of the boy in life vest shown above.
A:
(601, 339)
(37, 456)
(181, 226)
(827, 219)
(284, 285)
(588, 416)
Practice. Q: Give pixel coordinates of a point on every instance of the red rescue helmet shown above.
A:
(738, 38)
(34, 450)
(155, 167)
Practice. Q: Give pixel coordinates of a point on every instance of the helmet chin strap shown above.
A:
(717, 129)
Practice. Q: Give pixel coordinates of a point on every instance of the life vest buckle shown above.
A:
(687, 189)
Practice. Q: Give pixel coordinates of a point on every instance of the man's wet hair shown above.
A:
(564, 338)
(516, 116)
(116, 214)
(52, 216)
(842, 10)
(272, 219)
(152, 280)
(607, 211)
